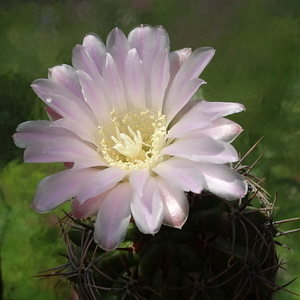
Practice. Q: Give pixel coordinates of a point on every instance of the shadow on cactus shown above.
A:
(225, 251)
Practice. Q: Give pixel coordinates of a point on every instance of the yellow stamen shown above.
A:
(134, 140)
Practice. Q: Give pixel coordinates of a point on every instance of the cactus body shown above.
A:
(224, 251)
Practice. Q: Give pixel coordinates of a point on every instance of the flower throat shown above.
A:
(134, 140)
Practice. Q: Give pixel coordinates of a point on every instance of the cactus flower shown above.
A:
(132, 142)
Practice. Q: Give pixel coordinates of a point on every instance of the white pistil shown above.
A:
(127, 146)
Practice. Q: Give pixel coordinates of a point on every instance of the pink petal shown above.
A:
(35, 135)
(148, 41)
(47, 89)
(113, 86)
(181, 174)
(202, 149)
(188, 122)
(102, 181)
(68, 109)
(176, 205)
(147, 210)
(138, 179)
(96, 49)
(32, 132)
(94, 97)
(177, 58)
(222, 130)
(113, 217)
(137, 37)
(82, 60)
(86, 134)
(194, 64)
(190, 70)
(117, 45)
(223, 181)
(35, 154)
(54, 190)
(180, 98)
(215, 110)
(88, 208)
(160, 76)
(135, 80)
(185, 109)
(66, 76)
(52, 114)
(74, 150)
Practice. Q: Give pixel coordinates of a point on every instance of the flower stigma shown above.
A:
(134, 140)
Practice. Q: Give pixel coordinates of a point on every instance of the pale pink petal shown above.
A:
(35, 135)
(79, 129)
(222, 130)
(94, 97)
(176, 205)
(189, 122)
(202, 149)
(137, 37)
(113, 217)
(68, 109)
(66, 76)
(135, 80)
(32, 132)
(73, 150)
(55, 149)
(148, 209)
(185, 109)
(181, 174)
(193, 108)
(190, 69)
(43, 86)
(88, 208)
(101, 182)
(160, 76)
(54, 190)
(183, 95)
(113, 86)
(82, 60)
(46, 89)
(138, 179)
(148, 41)
(177, 58)
(223, 181)
(35, 154)
(117, 45)
(96, 49)
(193, 66)
(52, 114)
(211, 110)
(216, 110)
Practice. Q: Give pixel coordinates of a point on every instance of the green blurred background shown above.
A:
(257, 63)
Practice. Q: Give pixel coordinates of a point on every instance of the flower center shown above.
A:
(130, 148)
(134, 140)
